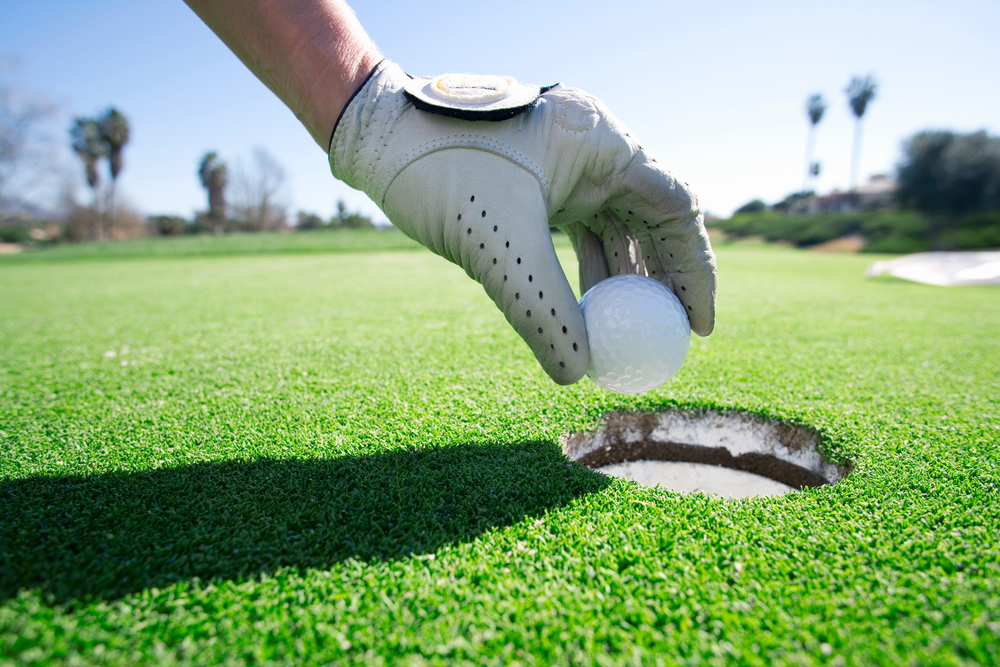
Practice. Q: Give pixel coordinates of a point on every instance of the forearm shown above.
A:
(313, 54)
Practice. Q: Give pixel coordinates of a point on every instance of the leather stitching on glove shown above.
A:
(461, 141)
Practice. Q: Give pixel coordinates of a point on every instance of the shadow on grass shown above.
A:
(106, 536)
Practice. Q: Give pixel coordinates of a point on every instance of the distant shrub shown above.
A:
(895, 232)
(800, 230)
(309, 221)
(885, 231)
(167, 225)
(755, 206)
(14, 235)
(980, 230)
(796, 203)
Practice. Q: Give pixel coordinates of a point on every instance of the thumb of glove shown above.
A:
(487, 214)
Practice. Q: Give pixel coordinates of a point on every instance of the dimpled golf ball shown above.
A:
(638, 333)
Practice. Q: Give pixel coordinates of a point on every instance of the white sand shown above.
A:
(697, 478)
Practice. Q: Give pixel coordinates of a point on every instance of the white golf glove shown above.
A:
(478, 168)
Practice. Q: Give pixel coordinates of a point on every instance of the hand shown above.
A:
(483, 194)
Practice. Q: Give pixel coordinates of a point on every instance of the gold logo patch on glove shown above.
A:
(472, 96)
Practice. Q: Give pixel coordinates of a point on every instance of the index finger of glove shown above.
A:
(665, 218)
(488, 215)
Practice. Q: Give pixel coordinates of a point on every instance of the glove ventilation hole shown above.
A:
(459, 216)
(494, 228)
(472, 198)
(528, 313)
(553, 312)
(552, 346)
(574, 347)
(530, 277)
(494, 260)
(508, 244)
(469, 230)
(562, 364)
(684, 289)
(518, 260)
(564, 329)
(484, 214)
(517, 295)
(539, 330)
(482, 246)
(539, 295)
(505, 278)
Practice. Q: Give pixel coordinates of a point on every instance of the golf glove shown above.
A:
(478, 168)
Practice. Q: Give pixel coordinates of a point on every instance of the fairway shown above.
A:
(331, 455)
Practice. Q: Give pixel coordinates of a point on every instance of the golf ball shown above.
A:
(638, 333)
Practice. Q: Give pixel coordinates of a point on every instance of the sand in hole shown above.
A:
(686, 477)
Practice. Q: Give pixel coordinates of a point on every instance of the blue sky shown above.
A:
(716, 90)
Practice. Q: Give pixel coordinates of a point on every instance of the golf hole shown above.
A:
(733, 455)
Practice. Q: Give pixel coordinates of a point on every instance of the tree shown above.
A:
(85, 138)
(947, 176)
(24, 145)
(258, 192)
(859, 93)
(755, 206)
(114, 130)
(214, 177)
(815, 108)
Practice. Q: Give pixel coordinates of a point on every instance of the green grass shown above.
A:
(207, 245)
(350, 457)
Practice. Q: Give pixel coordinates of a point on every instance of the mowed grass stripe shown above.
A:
(314, 458)
(204, 245)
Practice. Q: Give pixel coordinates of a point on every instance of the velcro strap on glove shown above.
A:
(362, 155)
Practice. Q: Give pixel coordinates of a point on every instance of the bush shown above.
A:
(755, 206)
(167, 225)
(14, 235)
(309, 221)
(980, 230)
(895, 232)
(800, 230)
(885, 231)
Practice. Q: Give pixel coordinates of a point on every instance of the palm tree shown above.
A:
(85, 138)
(114, 129)
(859, 92)
(815, 107)
(214, 177)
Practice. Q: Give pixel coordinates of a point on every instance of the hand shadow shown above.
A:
(106, 536)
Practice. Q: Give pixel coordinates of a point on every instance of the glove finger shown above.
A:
(626, 253)
(589, 254)
(487, 214)
(665, 218)
(621, 250)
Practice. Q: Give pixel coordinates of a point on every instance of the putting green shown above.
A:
(349, 457)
